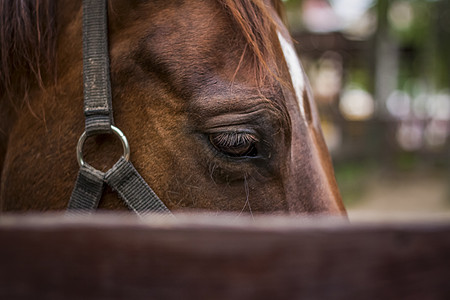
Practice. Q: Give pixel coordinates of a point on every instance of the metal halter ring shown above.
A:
(117, 132)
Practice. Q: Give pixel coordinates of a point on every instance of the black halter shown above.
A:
(122, 177)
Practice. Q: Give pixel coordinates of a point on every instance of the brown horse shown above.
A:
(210, 94)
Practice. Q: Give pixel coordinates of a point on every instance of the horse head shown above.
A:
(211, 96)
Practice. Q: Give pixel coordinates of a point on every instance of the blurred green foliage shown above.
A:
(419, 31)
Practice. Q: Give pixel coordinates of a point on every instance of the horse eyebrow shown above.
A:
(259, 28)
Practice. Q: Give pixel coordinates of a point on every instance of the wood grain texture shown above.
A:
(206, 257)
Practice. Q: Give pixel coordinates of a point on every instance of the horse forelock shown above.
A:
(27, 45)
(258, 27)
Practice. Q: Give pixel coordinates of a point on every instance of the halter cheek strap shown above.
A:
(122, 177)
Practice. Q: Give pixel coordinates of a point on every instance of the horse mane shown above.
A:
(27, 45)
(28, 40)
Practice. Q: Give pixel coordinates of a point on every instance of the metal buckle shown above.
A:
(117, 132)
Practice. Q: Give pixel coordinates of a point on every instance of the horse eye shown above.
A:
(235, 144)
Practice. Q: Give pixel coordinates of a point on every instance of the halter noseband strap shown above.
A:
(122, 177)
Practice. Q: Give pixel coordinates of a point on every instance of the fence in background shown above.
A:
(219, 257)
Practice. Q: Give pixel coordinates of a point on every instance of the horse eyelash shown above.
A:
(233, 139)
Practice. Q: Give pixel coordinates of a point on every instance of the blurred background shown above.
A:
(380, 75)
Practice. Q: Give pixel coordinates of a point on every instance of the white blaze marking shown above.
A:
(294, 70)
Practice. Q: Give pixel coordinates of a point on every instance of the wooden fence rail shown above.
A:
(220, 257)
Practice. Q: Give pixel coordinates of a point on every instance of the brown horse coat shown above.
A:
(201, 88)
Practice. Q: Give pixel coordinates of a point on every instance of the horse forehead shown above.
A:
(295, 71)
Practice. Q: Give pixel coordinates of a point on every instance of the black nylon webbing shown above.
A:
(133, 189)
(96, 78)
(122, 177)
(88, 190)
